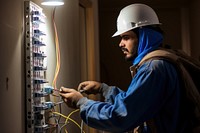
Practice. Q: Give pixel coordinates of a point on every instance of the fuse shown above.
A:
(48, 89)
(49, 105)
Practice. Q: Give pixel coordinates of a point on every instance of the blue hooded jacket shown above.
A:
(152, 94)
(149, 40)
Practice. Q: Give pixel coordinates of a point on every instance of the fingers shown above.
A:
(64, 94)
(66, 90)
(70, 96)
(89, 87)
(82, 85)
(68, 100)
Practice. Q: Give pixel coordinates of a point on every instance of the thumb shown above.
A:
(82, 86)
(65, 90)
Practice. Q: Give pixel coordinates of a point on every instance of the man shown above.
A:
(152, 102)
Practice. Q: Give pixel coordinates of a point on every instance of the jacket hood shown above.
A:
(149, 40)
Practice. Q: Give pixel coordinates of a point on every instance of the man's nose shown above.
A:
(121, 43)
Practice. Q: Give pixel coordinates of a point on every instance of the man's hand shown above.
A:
(70, 96)
(90, 87)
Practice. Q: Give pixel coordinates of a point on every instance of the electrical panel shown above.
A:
(41, 114)
(36, 89)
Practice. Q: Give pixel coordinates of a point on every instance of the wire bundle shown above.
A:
(56, 114)
(57, 52)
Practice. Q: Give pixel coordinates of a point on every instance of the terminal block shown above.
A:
(36, 88)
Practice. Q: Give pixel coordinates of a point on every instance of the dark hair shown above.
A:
(136, 31)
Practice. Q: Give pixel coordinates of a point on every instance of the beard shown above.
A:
(129, 58)
(131, 55)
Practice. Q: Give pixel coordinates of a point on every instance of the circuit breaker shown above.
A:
(36, 88)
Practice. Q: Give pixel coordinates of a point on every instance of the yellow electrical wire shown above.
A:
(71, 114)
(68, 119)
(66, 131)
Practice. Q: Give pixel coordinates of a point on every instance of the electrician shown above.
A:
(152, 101)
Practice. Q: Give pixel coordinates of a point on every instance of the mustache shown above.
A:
(124, 49)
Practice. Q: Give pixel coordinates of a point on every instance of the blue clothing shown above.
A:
(149, 40)
(153, 93)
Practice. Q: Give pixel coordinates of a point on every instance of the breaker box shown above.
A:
(36, 88)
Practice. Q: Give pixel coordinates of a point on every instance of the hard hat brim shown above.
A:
(119, 32)
(122, 31)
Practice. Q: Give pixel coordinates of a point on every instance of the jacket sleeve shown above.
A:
(154, 82)
(109, 92)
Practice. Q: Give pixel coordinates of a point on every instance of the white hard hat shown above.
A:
(134, 16)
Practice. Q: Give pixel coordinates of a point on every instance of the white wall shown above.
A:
(11, 66)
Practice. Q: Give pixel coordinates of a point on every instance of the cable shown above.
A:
(57, 51)
(71, 114)
(68, 119)
(81, 126)
(54, 83)
(66, 131)
(60, 108)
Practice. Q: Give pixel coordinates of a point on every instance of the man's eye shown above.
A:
(125, 37)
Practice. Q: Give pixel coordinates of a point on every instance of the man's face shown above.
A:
(129, 45)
